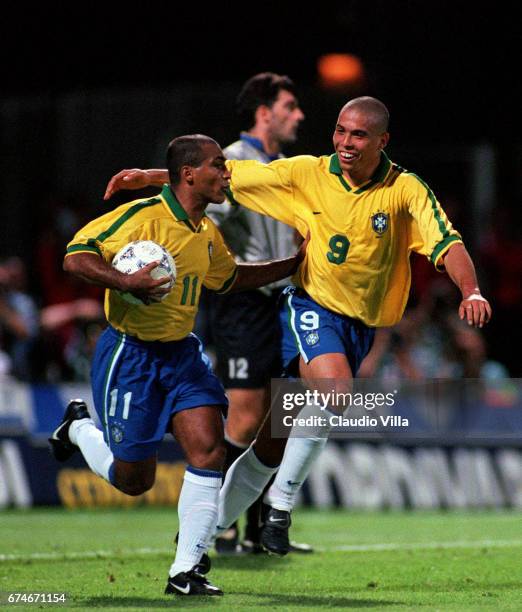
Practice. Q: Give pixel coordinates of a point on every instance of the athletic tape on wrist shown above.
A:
(475, 296)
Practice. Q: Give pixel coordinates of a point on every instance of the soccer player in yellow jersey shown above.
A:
(149, 373)
(365, 215)
(245, 325)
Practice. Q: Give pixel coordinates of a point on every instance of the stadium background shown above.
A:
(89, 93)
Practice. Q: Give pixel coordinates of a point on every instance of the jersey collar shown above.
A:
(177, 210)
(377, 177)
(257, 144)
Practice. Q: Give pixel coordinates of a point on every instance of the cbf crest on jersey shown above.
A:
(380, 222)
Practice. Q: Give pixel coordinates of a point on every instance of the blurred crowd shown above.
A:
(49, 321)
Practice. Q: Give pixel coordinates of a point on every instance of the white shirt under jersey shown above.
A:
(249, 235)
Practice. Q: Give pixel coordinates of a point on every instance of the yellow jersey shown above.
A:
(199, 252)
(357, 261)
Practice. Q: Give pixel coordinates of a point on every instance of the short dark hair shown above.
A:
(186, 151)
(261, 89)
(374, 108)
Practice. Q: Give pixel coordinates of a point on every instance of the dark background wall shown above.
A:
(88, 89)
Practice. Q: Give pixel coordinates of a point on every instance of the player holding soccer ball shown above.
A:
(365, 215)
(149, 373)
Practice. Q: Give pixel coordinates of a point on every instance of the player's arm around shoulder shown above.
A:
(277, 174)
(474, 308)
(136, 178)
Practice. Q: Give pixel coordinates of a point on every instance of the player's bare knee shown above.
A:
(246, 438)
(215, 458)
(135, 487)
(134, 479)
(211, 457)
(244, 432)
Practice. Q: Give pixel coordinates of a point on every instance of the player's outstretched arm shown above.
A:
(93, 269)
(135, 179)
(473, 307)
(254, 275)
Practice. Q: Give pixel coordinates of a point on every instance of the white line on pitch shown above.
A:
(86, 554)
(103, 554)
(423, 545)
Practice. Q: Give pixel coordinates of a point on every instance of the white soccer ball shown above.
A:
(136, 255)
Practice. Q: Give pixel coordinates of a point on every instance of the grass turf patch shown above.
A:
(119, 559)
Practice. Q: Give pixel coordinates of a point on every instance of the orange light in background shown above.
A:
(340, 70)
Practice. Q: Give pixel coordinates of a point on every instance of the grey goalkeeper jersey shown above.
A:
(251, 236)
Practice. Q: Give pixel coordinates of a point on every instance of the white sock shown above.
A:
(245, 480)
(89, 439)
(300, 454)
(197, 511)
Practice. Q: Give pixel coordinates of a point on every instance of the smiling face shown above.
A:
(211, 177)
(358, 141)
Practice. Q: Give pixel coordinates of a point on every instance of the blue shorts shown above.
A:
(310, 330)
(138, 386)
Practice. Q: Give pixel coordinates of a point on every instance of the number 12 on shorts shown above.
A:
(238, 368)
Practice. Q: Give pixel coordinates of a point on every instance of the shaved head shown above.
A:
(186, 151)
(372, 108)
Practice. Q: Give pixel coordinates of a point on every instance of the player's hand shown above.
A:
(134, 178)
(141, 284)
(475, 309)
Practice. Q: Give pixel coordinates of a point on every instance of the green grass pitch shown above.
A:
(119, 559)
